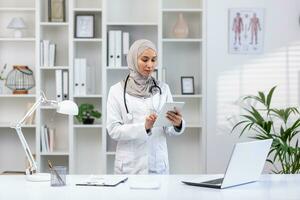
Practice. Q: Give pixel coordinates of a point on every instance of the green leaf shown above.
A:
(87, 110)
(238, 124)
(262, 97)
(269, 97)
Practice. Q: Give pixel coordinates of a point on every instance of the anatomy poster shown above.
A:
(246, 30)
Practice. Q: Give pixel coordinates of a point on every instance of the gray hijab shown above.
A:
(137, 84)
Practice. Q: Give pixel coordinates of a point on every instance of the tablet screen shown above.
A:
(162, 120)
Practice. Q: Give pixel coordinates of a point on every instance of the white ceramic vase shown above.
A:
(181, 29)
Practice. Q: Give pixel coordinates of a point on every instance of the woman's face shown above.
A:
(147, 62)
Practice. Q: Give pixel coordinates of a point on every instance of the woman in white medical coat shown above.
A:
(131, 112)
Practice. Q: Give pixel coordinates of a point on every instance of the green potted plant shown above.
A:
(281, 124)
(87, 113)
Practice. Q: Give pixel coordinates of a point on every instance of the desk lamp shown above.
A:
(64, 107)
(17, 24)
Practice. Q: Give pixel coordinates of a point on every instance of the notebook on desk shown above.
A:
(245, 165)
(103, 181)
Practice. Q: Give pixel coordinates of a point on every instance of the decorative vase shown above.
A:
(20, 79)
(88, 121)
(181, 29)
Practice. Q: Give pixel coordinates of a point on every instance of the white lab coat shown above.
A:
(137, 152)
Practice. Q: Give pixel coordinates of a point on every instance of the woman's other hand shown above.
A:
(175, 117)
(150, 121)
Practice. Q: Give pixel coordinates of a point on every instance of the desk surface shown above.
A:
(269, 187)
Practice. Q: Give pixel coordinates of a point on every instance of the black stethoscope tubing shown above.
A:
(151, 89)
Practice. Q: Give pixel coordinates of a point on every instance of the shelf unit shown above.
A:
(15, 51)
(78, 145)
(185, 55)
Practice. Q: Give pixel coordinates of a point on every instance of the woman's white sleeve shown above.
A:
(115, 124)
(170, 130)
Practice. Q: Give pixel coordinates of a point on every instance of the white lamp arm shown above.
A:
(32, 163)
(31, 110)
(18, 128)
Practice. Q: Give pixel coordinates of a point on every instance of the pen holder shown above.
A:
(58, 175)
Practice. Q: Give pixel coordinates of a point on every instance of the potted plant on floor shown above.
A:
(264, 121)
(87, 113)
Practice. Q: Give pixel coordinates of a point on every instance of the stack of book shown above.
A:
(47, 54)
(47, 139)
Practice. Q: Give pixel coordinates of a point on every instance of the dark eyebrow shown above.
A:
(149, 57)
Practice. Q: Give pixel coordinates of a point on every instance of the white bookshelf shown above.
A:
(79, 145)
(14, 51)
(87, 40)
(17, 9)
(18, 39)
(87, 9)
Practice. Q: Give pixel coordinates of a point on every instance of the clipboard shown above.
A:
(105, 182)
(162, 120)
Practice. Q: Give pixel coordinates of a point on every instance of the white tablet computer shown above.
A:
(162, 120)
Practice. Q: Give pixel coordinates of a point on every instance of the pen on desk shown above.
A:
(56, 174)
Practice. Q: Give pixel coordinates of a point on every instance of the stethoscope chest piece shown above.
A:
(129, 116)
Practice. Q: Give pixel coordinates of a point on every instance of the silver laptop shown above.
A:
(245, 165)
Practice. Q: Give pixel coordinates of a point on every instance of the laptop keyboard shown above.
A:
(215, 181)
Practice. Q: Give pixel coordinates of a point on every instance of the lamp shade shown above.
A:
(67, 107)
(16, 23)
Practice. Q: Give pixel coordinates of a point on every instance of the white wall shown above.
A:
(230, 76)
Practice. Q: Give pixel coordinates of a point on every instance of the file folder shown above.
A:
(118, 48)
(65, 89)
(58, 79)
(77, 76)
(111, 49)
(82, 76)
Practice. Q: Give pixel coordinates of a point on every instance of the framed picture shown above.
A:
(187, 85)
(85, 26)
(246, 30)
(56, 10)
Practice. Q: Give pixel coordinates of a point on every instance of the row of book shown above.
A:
(84, 77)
(62, 84)
(118, 47)
(47, 138)
(47, 53)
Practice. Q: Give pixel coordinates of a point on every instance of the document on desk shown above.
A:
(103, 181)
(144, 185)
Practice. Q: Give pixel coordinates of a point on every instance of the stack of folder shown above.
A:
(118, 47)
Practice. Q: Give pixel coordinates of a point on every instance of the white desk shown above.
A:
(283, 187)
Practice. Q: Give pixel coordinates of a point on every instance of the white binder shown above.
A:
(111, 49)
(46, 53)
(41, 53)
(118, 43)
(52, 54)
(65, 77)
(125, 43)
(58, 78)
(82, 76)
(91, 78)
(77, 76)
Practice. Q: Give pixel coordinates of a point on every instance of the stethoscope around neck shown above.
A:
(129, 115)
